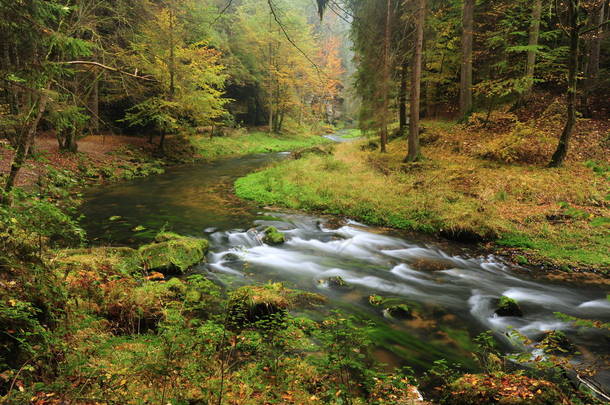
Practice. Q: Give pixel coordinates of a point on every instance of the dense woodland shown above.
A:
(483, 122)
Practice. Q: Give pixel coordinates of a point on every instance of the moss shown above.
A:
(273, 236)
(173, 253)
(508, 307)
(103, 260)
(502, 388)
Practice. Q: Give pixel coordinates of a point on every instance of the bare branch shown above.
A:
(277, 20)
(110, 68)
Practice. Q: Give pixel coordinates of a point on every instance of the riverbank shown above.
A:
(109, 158)
(469, 187)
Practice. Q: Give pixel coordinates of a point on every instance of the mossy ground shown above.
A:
(244, 143)
(546, 216)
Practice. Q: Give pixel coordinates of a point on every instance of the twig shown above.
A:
(222, 12)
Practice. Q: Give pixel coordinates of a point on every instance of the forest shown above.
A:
(304, 202)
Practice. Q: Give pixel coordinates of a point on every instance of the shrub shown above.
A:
(502, 388)
(497, 121)
(524, 144)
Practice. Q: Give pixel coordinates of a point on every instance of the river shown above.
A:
(452, 289)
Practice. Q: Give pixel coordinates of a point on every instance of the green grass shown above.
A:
(570, 245)
(253, 142)
(351, 133)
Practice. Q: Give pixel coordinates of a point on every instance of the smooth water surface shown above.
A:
(453, 291)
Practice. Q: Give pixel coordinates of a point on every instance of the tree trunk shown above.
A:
(466, 68)
(95, 106)
(25, 144)
(562, 148)
(162, 143)
(402, 99)
(413, 152)
(534, 34)
(594, 57)
(385, 85)
(172, 57)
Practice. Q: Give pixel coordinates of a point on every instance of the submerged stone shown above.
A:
(375, 300)
(508, 307)
(273, 236)
(400, 311)
(334, 282)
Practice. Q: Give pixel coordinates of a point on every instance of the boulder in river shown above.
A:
(266, 306)
(502, 388)
(171, 252)
(335, 282)
(399, 311)
(556, 342)
(375, 300)
(508, 307)
(273, 236)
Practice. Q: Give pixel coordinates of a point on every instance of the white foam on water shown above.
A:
(370, 239)
(413, 253)
(530, 295)
(284, 260)
(596, 304)
(406, 273)
(537, 327)
(380, 284)
(245, 239)
(349, 248)
(219, 267)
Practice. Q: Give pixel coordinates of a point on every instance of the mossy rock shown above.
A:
(273, 236)
(375, 300)
(502, 388)
(268, 303)
(170, 252)
(173, 252)
(314, 150)
(400, 311)
(556, 342)
(253, 304)
(508, 307)
(105, 261)
(336, 282)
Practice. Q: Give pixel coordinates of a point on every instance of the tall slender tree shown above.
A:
(413, 153)
(572, 27)
(534, 34)
(466, 67)
(385, 85)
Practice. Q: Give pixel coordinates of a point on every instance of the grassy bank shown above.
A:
(245, 143)
(555, 217)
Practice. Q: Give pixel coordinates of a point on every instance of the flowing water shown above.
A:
(452, 289)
